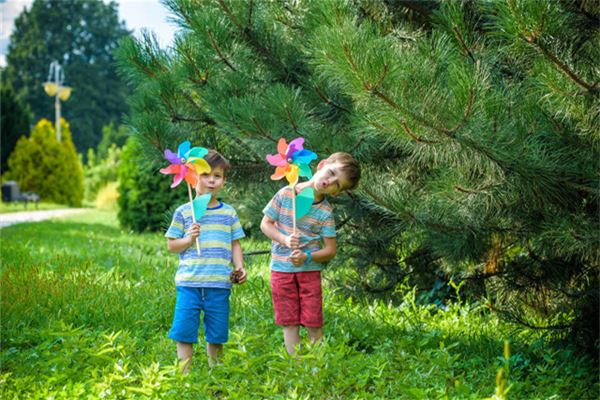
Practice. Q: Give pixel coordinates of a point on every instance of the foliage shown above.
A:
(476, 123)
(14, 123)
(145, 198)
(98, 172)
(111, 135)
(108, 195)
(47, 167)
(91, 321)
(81, 35)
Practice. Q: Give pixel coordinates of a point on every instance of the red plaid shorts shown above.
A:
(297, 298)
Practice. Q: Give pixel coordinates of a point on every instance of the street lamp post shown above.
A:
(55, 88)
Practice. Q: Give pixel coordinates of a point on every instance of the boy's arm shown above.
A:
(238, 260)
(182, 244)
(267, 226)
(298, 257)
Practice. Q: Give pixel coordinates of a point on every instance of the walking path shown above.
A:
(35, 216)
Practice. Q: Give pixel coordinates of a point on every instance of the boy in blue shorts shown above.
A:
(204, 281)
(297, 259)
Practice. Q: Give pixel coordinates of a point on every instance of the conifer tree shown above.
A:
(476, 124)
(42, 164)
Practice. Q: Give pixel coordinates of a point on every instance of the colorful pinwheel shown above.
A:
(291, 161)
(186, 164)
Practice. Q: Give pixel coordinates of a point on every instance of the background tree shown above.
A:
(14, 123)
(112, 135)
(145, 199)
(476, 123)
(52, 169)
(81, 35)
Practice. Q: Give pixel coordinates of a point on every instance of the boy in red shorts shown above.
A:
(297, 259)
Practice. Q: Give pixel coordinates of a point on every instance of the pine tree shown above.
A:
(476, 124)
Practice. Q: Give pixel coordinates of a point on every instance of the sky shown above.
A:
(137, 14)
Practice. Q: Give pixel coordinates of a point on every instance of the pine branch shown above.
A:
(407, 129)
(291, 119)
(378, 93)
(468, 191)
(416, 138)
(199, 79)
(415, 5)
(356, 146)
(466, 50)
(468, 110)
(250, 9)
(263, 132)
(328, 101)
(142, 67)
(248, 35)
(214, 45)
(231, 15)
(534, 40)
(518, 319)
(205, 118)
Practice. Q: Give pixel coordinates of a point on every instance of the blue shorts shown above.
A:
(186, 321)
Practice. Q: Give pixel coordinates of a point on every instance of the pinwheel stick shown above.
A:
(294, 208)
(193, 216)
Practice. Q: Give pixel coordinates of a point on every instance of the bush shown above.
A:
(50, 168)
(145, 197)
(108, 196)
(112, 136)
(100, 171)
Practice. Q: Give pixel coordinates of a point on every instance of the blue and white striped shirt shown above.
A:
(313, 227)
(219, 226)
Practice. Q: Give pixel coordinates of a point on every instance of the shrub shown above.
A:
(107, 197)
(50, 168)
(112, 136)
(100, 171)
(145, 198)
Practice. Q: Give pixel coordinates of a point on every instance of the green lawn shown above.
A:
(18, 207)
(86, 308)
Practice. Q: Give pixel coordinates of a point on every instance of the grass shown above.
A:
(86, 308)
(18, 207)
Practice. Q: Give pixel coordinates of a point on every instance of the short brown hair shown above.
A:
(350, 168)
(216, 160)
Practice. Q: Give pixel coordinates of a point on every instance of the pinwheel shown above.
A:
(292, 161)
(188, 164)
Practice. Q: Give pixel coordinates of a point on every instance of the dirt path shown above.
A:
(34, 216)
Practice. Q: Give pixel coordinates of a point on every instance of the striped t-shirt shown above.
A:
(313, 227)
(219, 226)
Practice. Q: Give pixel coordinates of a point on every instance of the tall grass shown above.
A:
(86, 308)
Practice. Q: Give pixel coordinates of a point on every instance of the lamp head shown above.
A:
(50, 88)
(64, 92)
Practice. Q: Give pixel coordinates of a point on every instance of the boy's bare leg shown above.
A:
(184, 354)
(291, 337)
(314, 334)
(214, 352)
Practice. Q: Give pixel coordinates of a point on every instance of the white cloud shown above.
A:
(9, 11)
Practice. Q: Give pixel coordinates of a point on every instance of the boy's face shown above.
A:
(330, 179)
(211, 182)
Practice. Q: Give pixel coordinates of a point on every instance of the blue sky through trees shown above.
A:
(137, 14)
